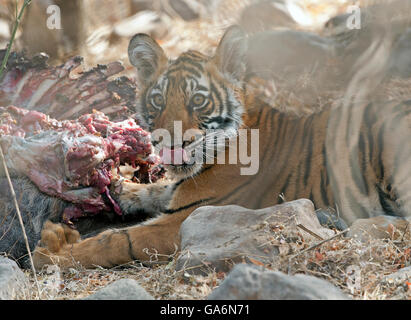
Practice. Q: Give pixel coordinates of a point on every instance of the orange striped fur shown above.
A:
(299, 157)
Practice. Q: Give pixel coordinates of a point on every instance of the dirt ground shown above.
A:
(100, 45)
(358, 269)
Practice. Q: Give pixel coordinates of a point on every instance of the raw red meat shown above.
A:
(74, 159)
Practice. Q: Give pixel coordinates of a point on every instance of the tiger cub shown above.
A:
(296, 157)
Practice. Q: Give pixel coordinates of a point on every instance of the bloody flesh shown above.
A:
(74, 159)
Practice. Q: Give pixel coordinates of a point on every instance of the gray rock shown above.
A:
(123, 289)
(218, 237)
(13, 282)
(380, 227)
(400, 276)
(35, 207)
(397, 284)
(329, 219)
(248, 282)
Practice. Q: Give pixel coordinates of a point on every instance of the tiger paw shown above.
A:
(56, 241)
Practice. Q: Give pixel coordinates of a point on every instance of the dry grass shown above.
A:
(357, 268)
(338, 260)
(162, 282)
(332, 261)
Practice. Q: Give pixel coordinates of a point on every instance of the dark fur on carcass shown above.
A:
(36, 208)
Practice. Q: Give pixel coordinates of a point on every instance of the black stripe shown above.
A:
(184, 85)
(369, 119)
(171, 211)
(325, 181)
(203, 169)
(308, 158)
(214, 90)
(218, 119)
(188, 60)
(325, 162)
(364, 160)
(311, 197)
(222, 105)
(260, 112)
(276, 124)
(384, 202)
(370, 146)
(212, 101)
(307, 126)
(184, 68)
(130, 246)
(307, 132)
(228, 102)
(291, 150)
(323, 191)
(200, 87)
(381, 150)
(270, 152)
(274, 117)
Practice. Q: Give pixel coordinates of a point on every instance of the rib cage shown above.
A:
(66, 91)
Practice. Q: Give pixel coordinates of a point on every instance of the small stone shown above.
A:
(248, 282)
(381, 227)
(123, 289)
(13, 282)
(400, 276)
(329, 219)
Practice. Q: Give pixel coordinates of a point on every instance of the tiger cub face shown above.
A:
(192, 103)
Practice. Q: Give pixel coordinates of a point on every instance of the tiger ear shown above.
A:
(147, 56)
(231, 53)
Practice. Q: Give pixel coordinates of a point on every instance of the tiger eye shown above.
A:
(198, 99)
(158, 100)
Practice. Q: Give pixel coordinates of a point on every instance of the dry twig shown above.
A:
(6, 171)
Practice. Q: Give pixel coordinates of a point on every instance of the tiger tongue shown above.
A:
(174, 156)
